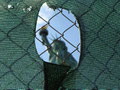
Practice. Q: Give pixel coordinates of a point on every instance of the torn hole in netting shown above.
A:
(57, 42)
(61, 25)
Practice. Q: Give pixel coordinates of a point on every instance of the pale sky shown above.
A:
(60, 23)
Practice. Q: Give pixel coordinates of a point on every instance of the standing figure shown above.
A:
(57, 50)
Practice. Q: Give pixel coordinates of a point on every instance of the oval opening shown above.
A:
(61, 24)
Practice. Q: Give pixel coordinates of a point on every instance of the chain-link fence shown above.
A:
(100, 43)
(60, 38)
(74, 24)
(21, 66)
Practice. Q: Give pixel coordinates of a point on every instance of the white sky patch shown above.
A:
(40, 21)
(45, 13)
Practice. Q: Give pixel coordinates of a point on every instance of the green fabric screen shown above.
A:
(21, 67)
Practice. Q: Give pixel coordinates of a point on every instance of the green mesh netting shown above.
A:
(21, 67)
(54, 75)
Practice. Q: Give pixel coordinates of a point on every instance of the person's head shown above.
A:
(59, 46)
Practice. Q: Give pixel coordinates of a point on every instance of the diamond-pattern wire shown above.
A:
(61, 34)
(88, 52)
(98, 37)
(7, 36)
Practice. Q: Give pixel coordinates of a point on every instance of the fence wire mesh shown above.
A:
(76, 48)
(99, 21)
